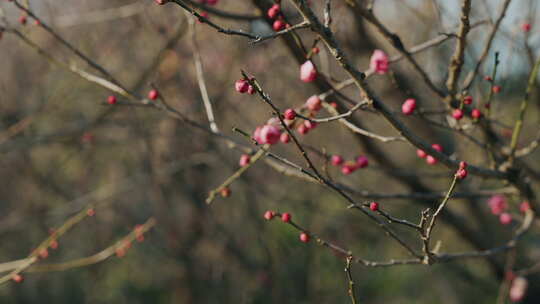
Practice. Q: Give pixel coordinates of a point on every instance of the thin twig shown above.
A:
(523, 108)
(350, 280)
(426, 237)
(472, 74)
(200, 76)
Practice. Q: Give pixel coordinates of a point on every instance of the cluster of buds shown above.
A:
(349, 166)
(242, 86)
(286, 218)
(274, 13)
(462, 171)
(429, 159)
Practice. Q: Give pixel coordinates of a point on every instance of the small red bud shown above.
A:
(17, 278)
(336, 160)
(22, 19)
(268, 215)
(461, 173)
(431, 160)
(374, 206)
(313, 103)
(111, 100)
(408, 106)
(457, 114)
(241, 86)
(505, 218)
(278, 25)
(463, 165)
(475, 113)
(496, 89)
(90, 212)
(153, 94)
(526, 27)
(362, 161)
(286, 217)
(420, 153)
(437, 147)
(244, 160)
(348, 169)
(225, 192)
(468, 100)
(289, 114)
(304, 237)
(284, 137)
(302, 129)
(315, 50)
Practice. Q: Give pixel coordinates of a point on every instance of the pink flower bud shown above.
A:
(161, 2)
(274, 11)
(286, 217)
(524, 206)
(505, 218)
(241, 86)
(244, 160)
(289, 114)
(457, 114)
(461, 173)
(304, 237)
(526, 27)
(313, 103)
(348, 168)
(496, 89)
(408, 106)
(278, 25)
(310, 125)
(437, 147)
(268, 215)
(374, 206)
(421, 153)
(251, 90)
(518, 289)
(497, 204)
(111, 99)
(285, 138)
(153, 94)
(475, 113)
(257, 135)
(22, 19)
(362, 161)
(308, 72)
(379, 62)
(211, 2)
(336, 160)
(467, 100)
(431, 160)
(302, 129)
(270, 134)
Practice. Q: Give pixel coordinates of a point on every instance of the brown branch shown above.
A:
(454, 69)
(358, 77)
(98, 257)
(396, 42)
